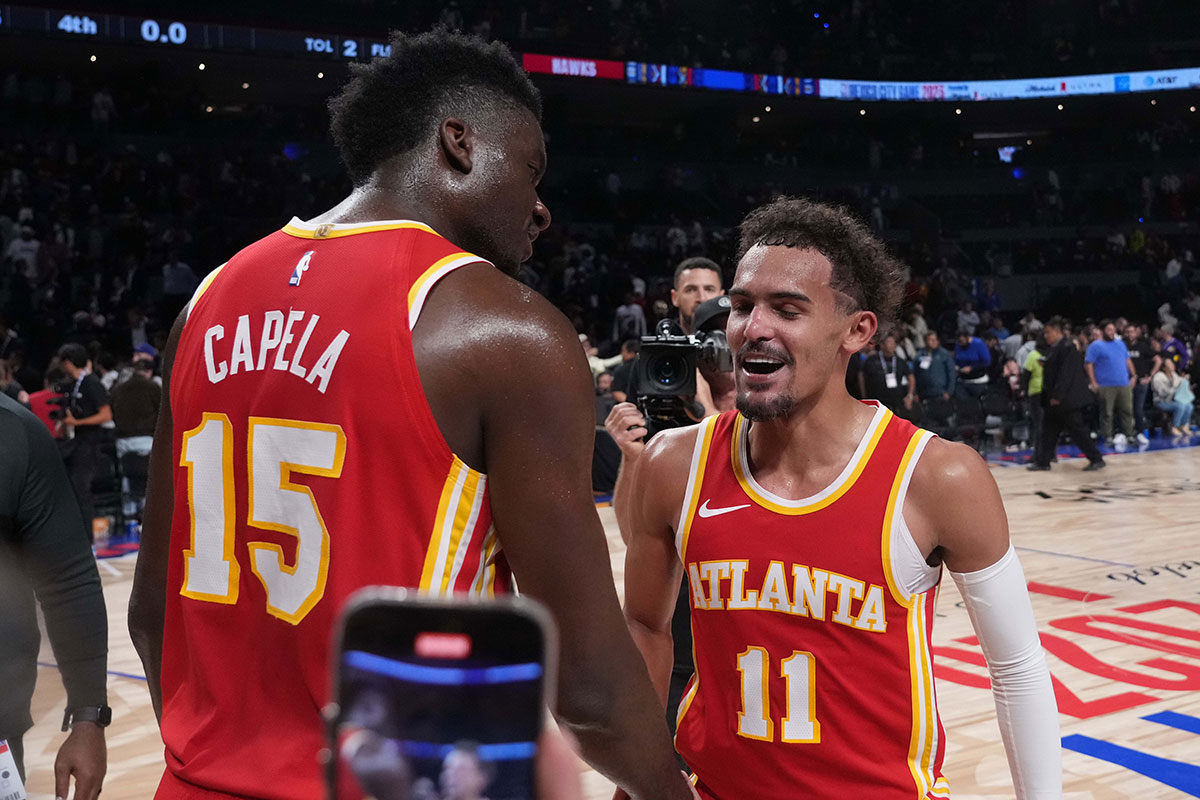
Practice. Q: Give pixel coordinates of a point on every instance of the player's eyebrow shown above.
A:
(797, 296)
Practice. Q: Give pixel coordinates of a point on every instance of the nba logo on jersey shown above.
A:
(298, 272)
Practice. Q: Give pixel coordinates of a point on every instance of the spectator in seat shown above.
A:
(598, 365)
(1173, 348)
(972, 360)
(1173, 394)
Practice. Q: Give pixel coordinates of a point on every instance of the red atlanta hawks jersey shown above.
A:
(307, 465)
(813, 670)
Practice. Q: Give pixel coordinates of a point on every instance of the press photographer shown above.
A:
(87, 410)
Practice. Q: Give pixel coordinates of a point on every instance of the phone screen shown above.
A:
(438, 700)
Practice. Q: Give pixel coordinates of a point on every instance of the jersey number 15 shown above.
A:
(277, 448)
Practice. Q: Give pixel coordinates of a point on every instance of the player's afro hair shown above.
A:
(390, 104)
(863, 271)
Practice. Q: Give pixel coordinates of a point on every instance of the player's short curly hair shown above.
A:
(390, 104)
(863, 272)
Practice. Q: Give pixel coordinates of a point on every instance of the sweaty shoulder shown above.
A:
(954, 506)
(485, 341)
(661, 476)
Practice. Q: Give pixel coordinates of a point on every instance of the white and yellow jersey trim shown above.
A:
(691, 495)
(455, 530)
(822, 499)
(429, 278)
(202, 288)
(336, 230)
(420, 289)
(923, 738)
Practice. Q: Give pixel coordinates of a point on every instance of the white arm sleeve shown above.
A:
(998, 603)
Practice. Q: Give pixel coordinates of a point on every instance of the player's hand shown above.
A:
(84, 756)
(627, 427)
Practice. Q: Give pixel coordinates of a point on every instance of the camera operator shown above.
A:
(697, 286)
(87, 409)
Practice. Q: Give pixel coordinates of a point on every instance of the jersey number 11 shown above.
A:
(799, 672)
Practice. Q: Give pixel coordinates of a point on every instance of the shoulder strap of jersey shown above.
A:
(710, 433)
(439, 257)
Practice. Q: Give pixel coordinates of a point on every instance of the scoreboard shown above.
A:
(169, 33)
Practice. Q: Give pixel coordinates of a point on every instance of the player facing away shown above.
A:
(812, 528)
(369, 397)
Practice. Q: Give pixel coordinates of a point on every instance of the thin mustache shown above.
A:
(761, 349)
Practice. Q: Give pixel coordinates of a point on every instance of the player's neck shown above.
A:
(374, 202)
(800, 454)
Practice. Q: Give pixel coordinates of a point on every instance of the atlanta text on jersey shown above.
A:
(726, 590)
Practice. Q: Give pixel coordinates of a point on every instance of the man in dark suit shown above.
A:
(1065, 393)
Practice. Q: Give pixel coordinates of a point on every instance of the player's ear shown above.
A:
(860, 331)
(457, 141)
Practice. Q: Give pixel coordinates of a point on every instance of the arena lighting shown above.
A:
(1029, 141)
(1060, 106)
(862, 112)
(201, 66)
(208, 109)
(958, 111)
(767, 109)
(320, 74)
(245, 85)
(1192, 109)
(756, 119)
(92, 59)
(1153, 102)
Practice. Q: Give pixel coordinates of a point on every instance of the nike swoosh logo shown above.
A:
(707, 512)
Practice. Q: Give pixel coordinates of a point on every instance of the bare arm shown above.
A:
(652, 567)
(537, 429)
(955, 501)
(148, 599)
(626, 425)
(1132, 371)
(1091, 373)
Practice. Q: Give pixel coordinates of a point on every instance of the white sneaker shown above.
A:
(1119, 440)
(1143, 439)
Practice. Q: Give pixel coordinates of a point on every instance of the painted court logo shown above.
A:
(300, 269)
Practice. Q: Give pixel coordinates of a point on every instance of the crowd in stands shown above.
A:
(115, 202)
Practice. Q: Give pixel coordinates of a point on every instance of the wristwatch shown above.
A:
(101, 715)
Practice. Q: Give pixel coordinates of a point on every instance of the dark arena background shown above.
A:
(1025, 160)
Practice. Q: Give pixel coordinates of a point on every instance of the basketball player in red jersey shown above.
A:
(812, 528)
(366, 398)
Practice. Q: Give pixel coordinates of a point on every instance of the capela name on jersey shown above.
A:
(269, 346)
(721, 585)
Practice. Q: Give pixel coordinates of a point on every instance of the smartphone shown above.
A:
(438, 699)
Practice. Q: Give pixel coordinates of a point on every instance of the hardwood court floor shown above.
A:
(1114, 561)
